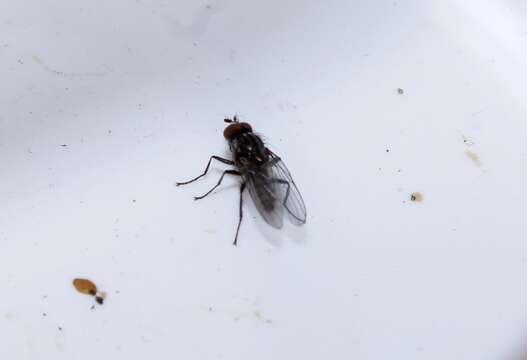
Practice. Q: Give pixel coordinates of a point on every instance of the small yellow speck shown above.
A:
(474, 157)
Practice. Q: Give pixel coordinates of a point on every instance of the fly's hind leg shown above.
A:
(220, 159)
(283, 182)
(230, 172)
(286, 197)
(242, 187)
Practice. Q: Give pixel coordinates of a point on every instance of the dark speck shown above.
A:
(400, 91)
(64, 145)
(60, 328)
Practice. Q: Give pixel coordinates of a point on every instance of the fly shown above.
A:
(263, 173)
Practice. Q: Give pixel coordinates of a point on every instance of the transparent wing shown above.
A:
(286, 191)
(273, 190)
(265, 197)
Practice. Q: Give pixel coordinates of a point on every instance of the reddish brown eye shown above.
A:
(235, 129)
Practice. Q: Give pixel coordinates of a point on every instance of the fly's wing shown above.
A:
(285, 190)
(265, 195)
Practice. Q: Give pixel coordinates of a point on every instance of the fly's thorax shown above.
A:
(248, 151)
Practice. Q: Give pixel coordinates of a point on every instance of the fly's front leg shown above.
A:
(242, 187)
(220, 159)
(230, 172)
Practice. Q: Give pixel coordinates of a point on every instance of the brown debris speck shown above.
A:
(416, 196)
(85, 286)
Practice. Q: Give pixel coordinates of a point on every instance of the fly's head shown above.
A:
(236, 128)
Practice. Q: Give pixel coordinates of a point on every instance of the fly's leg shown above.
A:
(230, 172)
(225, 161)
(283, 182)
(242, 187)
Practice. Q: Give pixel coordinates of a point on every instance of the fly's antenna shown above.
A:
(233, 120)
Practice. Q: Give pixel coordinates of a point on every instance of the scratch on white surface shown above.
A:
(256, 314)
(193, 25)
(237, 316)
(478, 112)
(40, 62)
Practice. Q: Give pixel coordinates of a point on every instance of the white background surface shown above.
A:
(138, 90)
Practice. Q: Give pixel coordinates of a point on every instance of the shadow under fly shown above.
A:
(263, 173)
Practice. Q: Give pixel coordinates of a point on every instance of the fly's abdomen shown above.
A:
(263, 193)
(266, 195)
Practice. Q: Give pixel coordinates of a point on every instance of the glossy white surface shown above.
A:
(138, 90)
